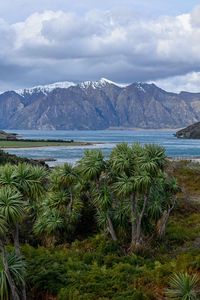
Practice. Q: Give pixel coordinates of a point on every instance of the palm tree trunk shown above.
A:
(70, 202)
(18, 253)
(139, 221)
(111, 229)
(11, 282)
(133, 217)
(23, 290)
(110, 224)
(16, 240)
(161, 224)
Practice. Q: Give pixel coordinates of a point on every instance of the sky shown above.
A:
(125, 41)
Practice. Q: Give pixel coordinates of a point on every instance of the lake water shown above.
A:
(174, 147)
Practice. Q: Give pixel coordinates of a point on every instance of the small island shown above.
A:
(190, 132)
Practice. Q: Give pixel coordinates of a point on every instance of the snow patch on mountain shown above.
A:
(140, 87)
(45, 89)
(103, 82)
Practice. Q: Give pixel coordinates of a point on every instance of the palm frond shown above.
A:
(48, 222)
(183, 286)
(124, 185)
(11, 205)
(17, 268)
(92, 164)
(7, 175)
(30, 180)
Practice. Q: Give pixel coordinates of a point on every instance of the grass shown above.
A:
(187, 174)
(30, 144)
(184, 228)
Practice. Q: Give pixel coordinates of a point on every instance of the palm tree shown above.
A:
(61, 207)
(27, 184)
(4, 292)
(102, 200)
(183, 287)
(124, 163)
(138, 167)
(150, 164)
(143, 185)
(6, 280)
(124, 187)
(12, 208)
(93, 168)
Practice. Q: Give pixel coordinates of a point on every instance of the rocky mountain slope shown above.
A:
(97, 105)
(190, 132)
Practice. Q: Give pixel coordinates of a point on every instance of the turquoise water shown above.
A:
(174, 147)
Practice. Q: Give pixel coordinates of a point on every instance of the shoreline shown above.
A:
(41, 144)
(139, 129)
(182, 158)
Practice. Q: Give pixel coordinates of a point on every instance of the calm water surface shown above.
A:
(174, 147)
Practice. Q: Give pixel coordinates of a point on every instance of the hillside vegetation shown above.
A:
(123, 228)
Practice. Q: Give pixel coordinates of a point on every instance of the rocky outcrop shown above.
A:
(190, 132)
(97, 105)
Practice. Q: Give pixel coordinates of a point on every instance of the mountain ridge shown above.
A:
(47, 88)
(98, 104)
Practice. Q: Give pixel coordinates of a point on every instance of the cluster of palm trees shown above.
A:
(130, 194)
(130, 190)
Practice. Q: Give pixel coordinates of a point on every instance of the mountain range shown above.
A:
(95, 105)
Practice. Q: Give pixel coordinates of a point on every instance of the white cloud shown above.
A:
(188, 82)
(57, 45)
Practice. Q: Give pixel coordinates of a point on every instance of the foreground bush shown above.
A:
(96, 268)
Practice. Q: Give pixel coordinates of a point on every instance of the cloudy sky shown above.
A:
(44, 41)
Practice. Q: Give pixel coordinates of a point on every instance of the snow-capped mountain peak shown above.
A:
(99, 83)
(45, 89)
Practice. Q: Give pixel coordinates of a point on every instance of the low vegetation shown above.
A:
(38, 143)
(123, 228)
(6, 158)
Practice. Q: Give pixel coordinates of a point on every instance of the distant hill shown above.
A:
(97, 105)
(190, 132)
(7, 136)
